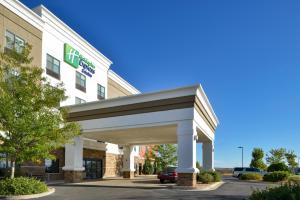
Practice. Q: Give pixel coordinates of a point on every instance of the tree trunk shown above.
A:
(13, 167)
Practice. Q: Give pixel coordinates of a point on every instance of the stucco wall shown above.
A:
(15, 24)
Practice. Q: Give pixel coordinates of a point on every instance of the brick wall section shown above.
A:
(38, 168)
(73, 176)
(128, 174)
(187, 179)
(113, 165)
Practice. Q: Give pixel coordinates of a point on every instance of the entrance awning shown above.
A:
(149, 118)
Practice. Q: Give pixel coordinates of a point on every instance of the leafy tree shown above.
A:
(165, 154)
(148, 167)
(291, 159)
(157, 166)
(278, 167)
(32, 123)
(198, 166)
(257, 159)
(276, 156)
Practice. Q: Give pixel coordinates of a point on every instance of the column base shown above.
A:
(128, 174)
(187, 179)
(73, 176)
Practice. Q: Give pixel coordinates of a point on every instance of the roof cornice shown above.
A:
(24, 12)
(118, 79)
(68, 32)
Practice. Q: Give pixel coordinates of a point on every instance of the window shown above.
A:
(14, 42)
(52, 166)
(80, 82)
(53, 67)
(79, 101)
(101, 92)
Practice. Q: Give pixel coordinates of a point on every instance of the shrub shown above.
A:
(251, 176)
(286, 192)
(295, 179)
(217, 176)
(278, 167)
(276, 176)
(22, 186)
(205, 178)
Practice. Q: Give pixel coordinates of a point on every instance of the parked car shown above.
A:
(168, 174)
(238, 171)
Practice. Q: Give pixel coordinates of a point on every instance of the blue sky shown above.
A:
(246, 55)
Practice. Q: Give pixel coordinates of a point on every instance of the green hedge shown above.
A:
(278, 167)
(251, 176)
(284, 192)
(22, 186)
(276, 176)
(209, 176)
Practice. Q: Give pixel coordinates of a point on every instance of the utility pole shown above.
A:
(240, 147)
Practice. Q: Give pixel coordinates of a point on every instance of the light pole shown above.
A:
(240, 147)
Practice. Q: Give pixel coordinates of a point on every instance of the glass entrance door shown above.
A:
(93, 168)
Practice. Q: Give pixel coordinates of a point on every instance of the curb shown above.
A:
(211, 187)
(29, 196)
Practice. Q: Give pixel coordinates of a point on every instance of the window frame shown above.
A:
(53, 168)
(100, 94)
(14, 42)
(49, 70)
(78, 85)
(81, 101)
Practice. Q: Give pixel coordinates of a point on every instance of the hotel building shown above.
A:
(115, 117)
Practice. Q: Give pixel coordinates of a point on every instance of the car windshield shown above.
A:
(170, 169)
(252, 170)
(238, 169)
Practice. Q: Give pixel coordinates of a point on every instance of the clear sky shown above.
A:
(246, 55)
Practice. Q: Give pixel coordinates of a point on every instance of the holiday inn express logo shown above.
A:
(75, 59)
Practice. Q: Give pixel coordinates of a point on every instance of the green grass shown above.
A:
(294, 179)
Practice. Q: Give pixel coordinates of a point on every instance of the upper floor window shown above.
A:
(14, 42)
(80, 81)
(53, 67)
(101, 92)
(79, 101)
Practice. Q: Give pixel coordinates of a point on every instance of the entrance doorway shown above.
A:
(93, 168)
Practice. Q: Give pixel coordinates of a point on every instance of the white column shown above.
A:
(186, 139)
(74, 155)
(128, 161)
(208, 155)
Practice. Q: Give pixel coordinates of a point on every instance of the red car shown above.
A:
(168, 174)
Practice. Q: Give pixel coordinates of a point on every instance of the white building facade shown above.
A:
(119, 118)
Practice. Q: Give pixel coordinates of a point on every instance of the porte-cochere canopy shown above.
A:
(180, 116)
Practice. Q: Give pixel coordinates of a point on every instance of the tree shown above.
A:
(291, 159)
(276, 156)
(165, 154)
(148, 167)
(32, 123)
(257, 159)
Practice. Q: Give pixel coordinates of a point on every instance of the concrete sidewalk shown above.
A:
(143, 182)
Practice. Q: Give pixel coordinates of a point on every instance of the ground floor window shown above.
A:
(52, 166)
(4, 162)
(93, 168)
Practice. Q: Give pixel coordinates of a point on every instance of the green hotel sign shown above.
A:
(76, 60)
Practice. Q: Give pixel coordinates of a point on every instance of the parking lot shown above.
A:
(233, 189)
